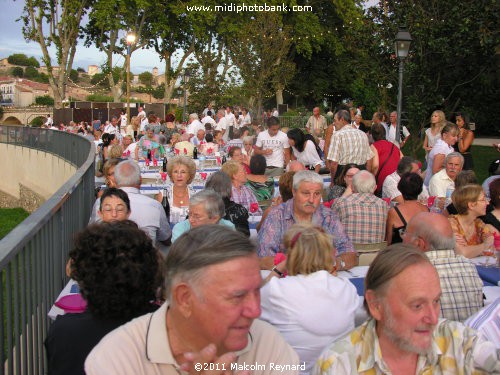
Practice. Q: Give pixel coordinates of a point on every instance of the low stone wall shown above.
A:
(28, 199)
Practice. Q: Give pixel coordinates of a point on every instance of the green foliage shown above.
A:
(44, 100)
(10, 218)
(80, 70)
(31, 73)
(146, 78)
(23, 60)
(42, 78)
(17, 71)
(99, 78)
(37, 122)
(99, 98)
(73, 75)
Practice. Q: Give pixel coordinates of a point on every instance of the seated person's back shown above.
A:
(119, 272)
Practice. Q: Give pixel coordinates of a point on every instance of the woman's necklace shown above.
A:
(180, 197)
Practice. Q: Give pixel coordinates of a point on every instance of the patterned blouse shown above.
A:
(262, 190)
(480, 234)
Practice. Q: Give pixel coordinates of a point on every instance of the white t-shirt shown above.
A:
(123, 121)
(247, 120)
(441, 147)
(310, 311)
(277, 143)
(230, 119)
(308, 157)
(194, 127)
(208, 119)
(276, 113)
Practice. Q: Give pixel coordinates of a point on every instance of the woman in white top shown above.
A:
(311, 306)
(443, 146)
(181, 171)
(304, 150)
(432, 134)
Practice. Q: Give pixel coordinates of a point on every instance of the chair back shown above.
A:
(368, 251)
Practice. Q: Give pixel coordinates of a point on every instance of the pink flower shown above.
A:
(254, 207)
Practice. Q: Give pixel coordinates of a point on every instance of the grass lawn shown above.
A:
(9, 218)
(482, 156)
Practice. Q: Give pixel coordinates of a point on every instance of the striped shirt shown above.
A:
(364, 217)
(349, 145)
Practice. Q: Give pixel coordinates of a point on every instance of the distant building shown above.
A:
(43, 69)
(92, 70)
(4, 63)
(20, 92)
(155, 71)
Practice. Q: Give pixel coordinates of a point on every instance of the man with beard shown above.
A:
(305, 206)
(405, 334)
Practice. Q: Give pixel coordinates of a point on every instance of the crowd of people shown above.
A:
(216, 292)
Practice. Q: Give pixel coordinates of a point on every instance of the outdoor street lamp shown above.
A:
(130, 40)
(185, 80)
(402, 44)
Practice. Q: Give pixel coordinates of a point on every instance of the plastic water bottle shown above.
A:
(202, 159)
(435, 206)
(449, 191)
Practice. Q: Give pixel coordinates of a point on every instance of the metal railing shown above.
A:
(33, 255)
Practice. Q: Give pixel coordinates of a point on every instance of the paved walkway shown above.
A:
(485, 141)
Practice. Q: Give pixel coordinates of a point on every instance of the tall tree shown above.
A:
(109, 22)
(453, 61)
(55, 23)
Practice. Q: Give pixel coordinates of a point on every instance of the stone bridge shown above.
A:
(24, 115)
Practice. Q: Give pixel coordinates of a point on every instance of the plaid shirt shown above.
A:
(244, 196)
(461, 285)
(364, 217)
(281, 218)
(349, 145)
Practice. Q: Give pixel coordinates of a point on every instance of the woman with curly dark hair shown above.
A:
(119, 272)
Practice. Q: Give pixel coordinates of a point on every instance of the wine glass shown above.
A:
(489, 252)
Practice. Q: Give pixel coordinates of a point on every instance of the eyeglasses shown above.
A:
(118, 209)
(487, 200)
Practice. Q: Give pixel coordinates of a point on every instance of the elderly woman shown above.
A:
(465, 139)
(410, 186)
(304, 150)
(343, 186)
(286, 301)
(119, 272)
(148, 144)
(261, 185)
(234, 212)
(443, 146)
(129, 146)
(109, 175)
(181, 171)
(114, 205)
(472, 235)
(205, 207)
(241, 193)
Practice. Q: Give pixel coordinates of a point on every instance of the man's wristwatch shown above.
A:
(277, 271)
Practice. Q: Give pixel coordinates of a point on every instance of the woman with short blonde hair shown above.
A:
(181, 170)
(287, 301)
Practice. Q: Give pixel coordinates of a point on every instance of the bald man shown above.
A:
(461, 285)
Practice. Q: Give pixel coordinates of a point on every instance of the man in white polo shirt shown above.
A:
(273, 144)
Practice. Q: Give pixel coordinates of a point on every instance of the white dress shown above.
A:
(310, 311)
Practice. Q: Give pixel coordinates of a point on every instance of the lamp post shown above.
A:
(185, 80)
(402, 45)
(130, 40)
